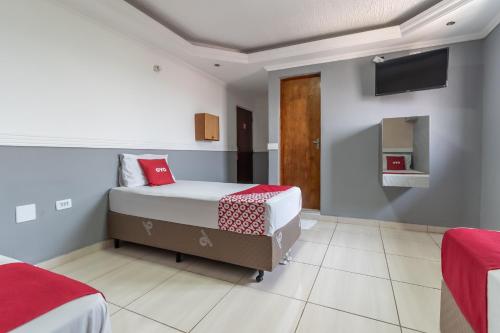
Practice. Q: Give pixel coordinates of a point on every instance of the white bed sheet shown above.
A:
(87, 314)
(196, 203)
(494, 301)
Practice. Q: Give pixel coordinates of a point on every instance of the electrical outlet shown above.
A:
(25, 213)
(64, 204)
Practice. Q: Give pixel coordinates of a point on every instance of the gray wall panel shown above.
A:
(43, 175)
(421, 145)
(260, 167)
(273, 167)
(351, 115)
(490, 209)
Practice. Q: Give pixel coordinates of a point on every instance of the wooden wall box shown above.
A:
(206, 127)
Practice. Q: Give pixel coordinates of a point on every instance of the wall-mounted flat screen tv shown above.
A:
(428, 70)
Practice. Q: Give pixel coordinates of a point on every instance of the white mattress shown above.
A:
(196, 203)
(494, 301)
(87, 314)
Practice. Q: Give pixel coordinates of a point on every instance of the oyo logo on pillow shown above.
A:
(393, 162)
(158, 170)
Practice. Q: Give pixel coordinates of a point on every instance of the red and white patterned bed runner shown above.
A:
(27, 292)
(245, 212)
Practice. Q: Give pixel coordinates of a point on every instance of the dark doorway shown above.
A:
(245, 145)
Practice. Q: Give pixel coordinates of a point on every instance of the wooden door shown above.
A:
(300, 156)
(245, 145)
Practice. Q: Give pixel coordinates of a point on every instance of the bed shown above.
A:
(470, 292)
(184, 217)
(88, 314)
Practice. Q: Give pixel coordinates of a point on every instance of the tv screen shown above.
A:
(421, 71)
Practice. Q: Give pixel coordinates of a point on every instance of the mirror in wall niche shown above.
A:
(405, 152)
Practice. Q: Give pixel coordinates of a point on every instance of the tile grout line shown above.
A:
(111, 271)
(132, 257)
(354, 314)
(185, 269)
(333, 269)
(392, 285)
(419, 258)
(103, 274)
(378, 277)
(221, 299)
(366, 250)
(412, 329)
(355, 248)
(150, 290)
(159, 322)
(315, 279)
(435, 241)
(351, 313)
(264, 291)
(213, 307)
(307, 301)
(179, 270)
(143, 258)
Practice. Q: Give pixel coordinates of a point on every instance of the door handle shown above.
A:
(317, 142)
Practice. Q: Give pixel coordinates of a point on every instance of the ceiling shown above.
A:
(249, 38)
(254, 25)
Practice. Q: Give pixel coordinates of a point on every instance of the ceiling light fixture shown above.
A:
(450, 23)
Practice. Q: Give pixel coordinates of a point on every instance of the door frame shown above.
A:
(280, 157)
(238, 107)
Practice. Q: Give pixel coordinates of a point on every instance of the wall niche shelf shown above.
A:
(404, 152)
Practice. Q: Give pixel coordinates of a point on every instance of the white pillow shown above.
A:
(131, 174)
(406, 156)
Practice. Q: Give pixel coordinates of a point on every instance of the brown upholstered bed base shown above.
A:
(452, 319)
(259, 252)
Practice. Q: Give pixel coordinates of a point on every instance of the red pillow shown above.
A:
(156, 172)
(396, 163)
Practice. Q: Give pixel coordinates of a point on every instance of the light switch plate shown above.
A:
(64, 204)
(272, 146)
(25, 213)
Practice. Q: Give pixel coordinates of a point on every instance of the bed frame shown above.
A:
(259, 252)
(452, 320)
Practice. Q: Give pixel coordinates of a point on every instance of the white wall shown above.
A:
(67, 81)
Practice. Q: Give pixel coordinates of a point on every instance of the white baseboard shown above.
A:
(65, 258)
(404, 226)
(437, 230)
(374, 223)
(315, 215)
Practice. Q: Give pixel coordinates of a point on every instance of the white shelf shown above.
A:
(405, 180)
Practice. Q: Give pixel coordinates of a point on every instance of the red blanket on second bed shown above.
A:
(244, 212)
(467, 257)
(27, 292)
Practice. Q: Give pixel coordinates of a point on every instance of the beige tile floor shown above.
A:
(352, 276)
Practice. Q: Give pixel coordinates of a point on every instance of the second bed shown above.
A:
(184, 217)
